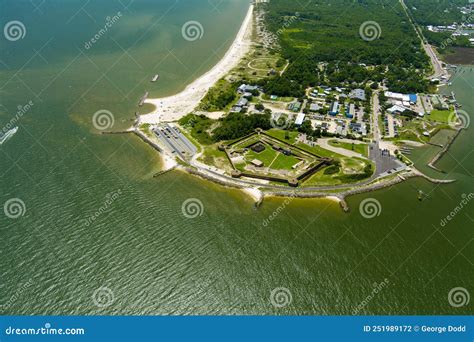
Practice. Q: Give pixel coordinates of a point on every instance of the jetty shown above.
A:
(143, 99)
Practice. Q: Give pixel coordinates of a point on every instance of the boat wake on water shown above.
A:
(4, 137)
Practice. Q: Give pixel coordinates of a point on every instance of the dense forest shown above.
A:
(328, 31)
(436, 12)
(232, 126)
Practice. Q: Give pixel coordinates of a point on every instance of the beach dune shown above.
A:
(174, 107)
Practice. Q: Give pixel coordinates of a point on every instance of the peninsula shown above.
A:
(287, 112)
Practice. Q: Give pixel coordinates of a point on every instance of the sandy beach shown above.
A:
(174, 107)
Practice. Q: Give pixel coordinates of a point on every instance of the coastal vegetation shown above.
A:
(232, 126)
(219, 97)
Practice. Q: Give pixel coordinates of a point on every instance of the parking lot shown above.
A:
(175, 142)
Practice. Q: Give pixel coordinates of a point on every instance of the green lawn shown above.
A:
(281, 99)
(283, 162)
(272, 159)
(267, 156)
(212, 156)
(350, 172)
(280, 134)
(363, 149)
(440, 115)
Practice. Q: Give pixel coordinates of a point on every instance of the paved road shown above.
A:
(375, 116)
(324, 143)
(438, 70)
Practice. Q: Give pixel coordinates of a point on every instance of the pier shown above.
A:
(143, 99)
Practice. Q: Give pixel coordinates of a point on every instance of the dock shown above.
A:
(155, 78)
(143, 99)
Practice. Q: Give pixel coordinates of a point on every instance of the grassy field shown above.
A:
(440, 115)
(257, 64)
(280, 134)
(349, 172)
(212, 156)
(363, 149)
(266, 97)
(272, 159)
(283, 162)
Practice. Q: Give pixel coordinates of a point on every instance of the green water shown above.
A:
(141, 246)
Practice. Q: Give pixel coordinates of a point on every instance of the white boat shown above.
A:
(5, 136)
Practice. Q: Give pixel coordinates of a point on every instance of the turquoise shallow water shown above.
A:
(141, 247)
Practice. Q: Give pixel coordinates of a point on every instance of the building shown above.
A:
(236, 109)
(247, 95)
(244, 88)
(358, 94)
(350, 111)
(242, 102)
(397, 109)
(257, 163)
(258, 147)
(299, 119)
(413, 98)
(334, 108)
(314, 107)
(397, 96)
(359, 128)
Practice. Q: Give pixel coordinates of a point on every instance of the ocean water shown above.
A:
(97, 234)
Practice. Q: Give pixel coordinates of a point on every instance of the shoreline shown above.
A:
(258, 192)
(174, 107)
